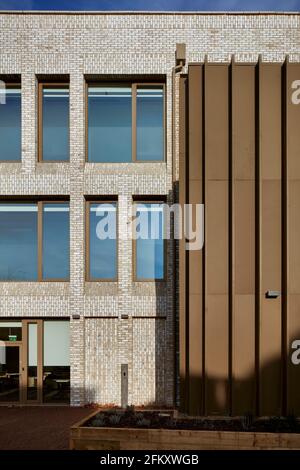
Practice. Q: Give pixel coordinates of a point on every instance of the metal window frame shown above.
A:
(134, 251)
(39, 203)
(88, 203)
(134, 85)
(41, 86)
(25, 352)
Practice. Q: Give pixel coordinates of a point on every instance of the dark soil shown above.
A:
(131, 418)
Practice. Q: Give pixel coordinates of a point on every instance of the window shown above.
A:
(10, 331)
(43, 375)
(149, 249)
(125, 123)
(102, 241)
(34, 241)
(149, 123)
(109, 124)
(56, 248)
(53, 122)
(10, 123)
(56, 362)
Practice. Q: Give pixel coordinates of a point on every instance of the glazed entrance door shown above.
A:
(32, 369)
(10, 373)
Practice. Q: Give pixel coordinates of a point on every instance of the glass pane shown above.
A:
(109, 124)
(149, 243)
(56, 370)
(18, 242)
(150, 123)
(56, 241)
(10, 331)
(55, 124)
(10, 124)
(103, 243)
(9, 373)
(32, 362)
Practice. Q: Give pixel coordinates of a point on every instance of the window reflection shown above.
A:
(149, 242)
(18, 242)
(19, 226)
(103, 251)
(55, 122)
(56, 248)
(10, 123)
(150, 125)
(109, 124)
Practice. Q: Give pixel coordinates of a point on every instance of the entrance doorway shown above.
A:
(10, 373)
(34, 361)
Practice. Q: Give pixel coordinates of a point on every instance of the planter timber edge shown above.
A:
(113, 438)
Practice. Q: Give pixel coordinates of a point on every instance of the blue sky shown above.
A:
(153, 5)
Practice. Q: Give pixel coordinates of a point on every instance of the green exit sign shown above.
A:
(12, 337)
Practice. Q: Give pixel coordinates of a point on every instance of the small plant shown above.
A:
(143, 422)
(247, 421)
(99, 421)
(292, 421)
(115, 419)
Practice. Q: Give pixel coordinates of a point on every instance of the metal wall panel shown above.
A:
(243, 238)
(240, 144)
(292, 174)
(269, 108)
(216, 120)
(195, 262)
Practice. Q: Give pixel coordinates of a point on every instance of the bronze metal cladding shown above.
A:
(239, 155)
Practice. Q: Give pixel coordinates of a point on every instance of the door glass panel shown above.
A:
(56, 366)
(10, 331)
(32, 362)
(9, 373)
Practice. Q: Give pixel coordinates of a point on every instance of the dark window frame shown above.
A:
(39, 203)
(134, 85)
(41, 86)
(135, 202)
(88, 203)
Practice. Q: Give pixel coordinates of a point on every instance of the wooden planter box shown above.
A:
(105, 438)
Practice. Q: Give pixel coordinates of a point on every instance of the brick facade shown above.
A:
(79, 45)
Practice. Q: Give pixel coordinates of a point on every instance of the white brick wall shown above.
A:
(81, 44)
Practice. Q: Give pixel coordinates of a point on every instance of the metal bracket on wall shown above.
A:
(272, 294)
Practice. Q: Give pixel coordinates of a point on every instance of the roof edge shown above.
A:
(172, 13)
